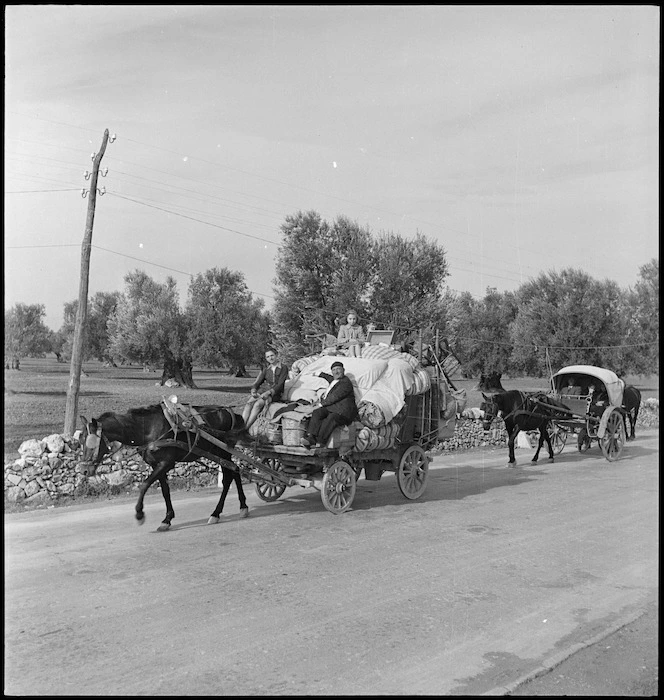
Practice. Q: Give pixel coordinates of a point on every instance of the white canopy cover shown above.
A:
(614, 385)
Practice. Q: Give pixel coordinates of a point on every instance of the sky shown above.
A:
(522, 139)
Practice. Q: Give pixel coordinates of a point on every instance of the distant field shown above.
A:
(35, 396)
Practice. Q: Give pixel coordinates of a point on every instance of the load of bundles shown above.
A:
(382, 378)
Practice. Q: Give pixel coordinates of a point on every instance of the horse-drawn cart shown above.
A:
(334, 469)
(594, 412)
(590, 402)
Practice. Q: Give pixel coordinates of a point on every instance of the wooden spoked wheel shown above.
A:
(614, 438)
(270, 490)
(412, 472)
(583, 442)
(338, 487)
(558, 437)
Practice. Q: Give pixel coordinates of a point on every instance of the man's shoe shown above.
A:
(304, 442)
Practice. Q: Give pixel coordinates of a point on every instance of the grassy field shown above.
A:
(35, 396)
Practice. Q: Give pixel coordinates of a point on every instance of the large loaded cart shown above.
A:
(335, 468)
(425, 417)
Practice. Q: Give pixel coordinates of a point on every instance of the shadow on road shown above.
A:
(452, 484)
(446, 483)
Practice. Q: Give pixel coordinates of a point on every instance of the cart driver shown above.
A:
(274, 377)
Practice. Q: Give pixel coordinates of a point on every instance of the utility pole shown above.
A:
(71, 408)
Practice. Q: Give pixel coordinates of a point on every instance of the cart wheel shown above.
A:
(338, 488)
(583, 442)
(265, 490)
(614, 438)
(413, 472)
(558, 437)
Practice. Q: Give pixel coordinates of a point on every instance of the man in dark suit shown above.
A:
(337, 407)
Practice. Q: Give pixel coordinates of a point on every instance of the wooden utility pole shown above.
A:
(71, 408)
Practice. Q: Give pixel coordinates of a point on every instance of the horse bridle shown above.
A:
(489, 416)
(99, 434)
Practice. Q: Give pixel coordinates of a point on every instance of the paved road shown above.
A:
(624, 663)
(478, 585)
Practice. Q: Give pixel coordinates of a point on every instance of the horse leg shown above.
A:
(633, 414)
(226, 484)
(544, 435)
(512, 433)
(540, 442)
(166, 493)
(155, 474)
(244, 508)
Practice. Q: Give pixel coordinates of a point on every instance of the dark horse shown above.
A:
(522, 411)
(490, 382)
(631, 403)
(149, 431)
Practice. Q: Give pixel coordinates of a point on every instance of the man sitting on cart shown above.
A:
(572, 389)
(337, 407)
(599, 397)
(274, 376)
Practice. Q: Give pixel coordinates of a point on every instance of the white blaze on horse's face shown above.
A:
(116, 451)
(92, 441)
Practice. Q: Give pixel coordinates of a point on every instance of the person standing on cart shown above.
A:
(274, 377)
(337, 407)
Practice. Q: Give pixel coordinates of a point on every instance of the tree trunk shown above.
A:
(240, 371)
(186, 373)
(180, 370)
(170, 370)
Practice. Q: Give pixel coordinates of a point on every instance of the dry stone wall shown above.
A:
(52, 470)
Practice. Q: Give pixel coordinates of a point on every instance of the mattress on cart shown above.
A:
(382, 384)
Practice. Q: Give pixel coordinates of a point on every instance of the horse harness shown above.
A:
(521, 409)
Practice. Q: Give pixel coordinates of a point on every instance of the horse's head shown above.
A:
(94, 444)
(490, 410)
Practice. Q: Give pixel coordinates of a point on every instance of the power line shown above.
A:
(69, 189)
(163, 267)
(442, 228)
(48, 245)
(191, 218)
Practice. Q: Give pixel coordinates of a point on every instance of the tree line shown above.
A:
(323, 269)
